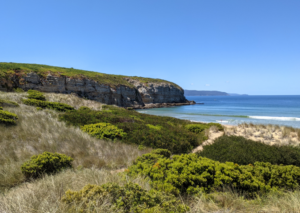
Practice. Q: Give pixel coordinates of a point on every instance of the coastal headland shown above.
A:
(123, 91)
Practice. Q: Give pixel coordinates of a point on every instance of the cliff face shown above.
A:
(138, 96)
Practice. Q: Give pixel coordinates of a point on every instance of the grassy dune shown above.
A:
(268, 134)
(38, 131)
(98, 162)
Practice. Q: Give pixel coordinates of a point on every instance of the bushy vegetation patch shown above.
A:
(146, 130)
(1, 108)
(50, 105)
(190, 173)
(45, 163)
(198, 128)
(8, 103)
(244, 151)
(104, 131)
(7, 117)
(128, 198)
(34, 94)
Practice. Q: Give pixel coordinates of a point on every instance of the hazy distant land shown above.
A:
(208, 93)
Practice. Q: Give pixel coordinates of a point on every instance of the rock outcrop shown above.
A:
(138, 96)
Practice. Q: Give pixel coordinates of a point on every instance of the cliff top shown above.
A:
(7, 69)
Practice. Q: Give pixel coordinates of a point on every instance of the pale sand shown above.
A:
(268, 134)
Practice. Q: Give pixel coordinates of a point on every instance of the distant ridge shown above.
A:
(208, 93)
(204, 93)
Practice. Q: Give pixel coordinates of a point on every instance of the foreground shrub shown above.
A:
(7, 117)
(243, 151)
(50, 105)
(1, 108)
(46, 163)
(145, 130)
(198, 128)
(128, 198)
(33, 94)
(190, 173)
(104, 131)
(8, 103)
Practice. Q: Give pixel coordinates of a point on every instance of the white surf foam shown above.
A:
(276, 118)
(219, 121)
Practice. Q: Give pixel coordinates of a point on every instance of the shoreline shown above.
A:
(162, 105)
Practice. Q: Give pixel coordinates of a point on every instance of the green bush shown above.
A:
(190, 173)
(154, 127)
(196, 128)
(104, 131)
(1, 108)
(200, 127)
(7, 117)
(8, 103)
(84, 108)
(19, 90)
(50, 105)
(37, 95)
(128, 198)
(243, 151)
(141, 129)
(219, 126)
(45, 163)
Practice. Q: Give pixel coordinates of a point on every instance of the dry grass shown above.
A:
(269, 134)
(230, 202)
(44, 195)
(38, 131)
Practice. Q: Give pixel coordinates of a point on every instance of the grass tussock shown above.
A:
(44, 195)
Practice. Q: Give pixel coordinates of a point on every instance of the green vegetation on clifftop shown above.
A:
(20, 69)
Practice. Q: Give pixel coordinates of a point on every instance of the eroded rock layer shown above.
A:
(138, 96)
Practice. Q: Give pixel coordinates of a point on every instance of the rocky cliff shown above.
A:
(136, 94)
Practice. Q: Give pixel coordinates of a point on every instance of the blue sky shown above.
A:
(237, 46)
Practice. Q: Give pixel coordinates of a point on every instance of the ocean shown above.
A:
(233, 110)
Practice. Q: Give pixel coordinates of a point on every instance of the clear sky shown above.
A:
(237, 46)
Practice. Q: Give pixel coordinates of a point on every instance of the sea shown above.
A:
(283, 110)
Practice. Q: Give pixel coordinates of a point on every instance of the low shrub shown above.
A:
(8, 103)
(200, 127)
(244, 151)
(190, 173)
(19, 90)
(84, 108)
(154, 127)
(50, 105)
(128, 198)
(45, 163)
(141, 129)
(219, 126)
(104, 131)
(37, 95)
(196, 128)
(1, 108)
(7, 117)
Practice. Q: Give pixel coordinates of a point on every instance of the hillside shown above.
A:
(120, 160)
(125, 91)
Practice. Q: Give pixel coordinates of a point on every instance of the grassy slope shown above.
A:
(7, 69)
(39, 131)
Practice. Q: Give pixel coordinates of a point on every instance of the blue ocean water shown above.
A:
(233, 110)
